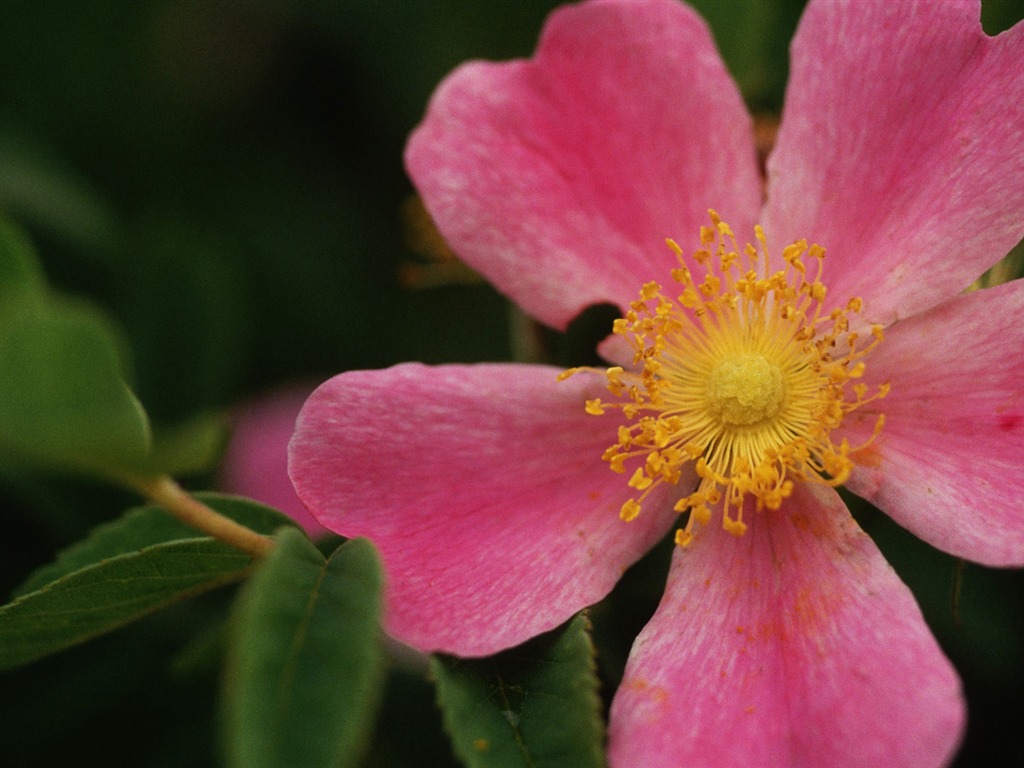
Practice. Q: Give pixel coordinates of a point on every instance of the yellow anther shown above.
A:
(740, 376)
(649, 291)
(735, 527)
(639, 480)
(630, 510)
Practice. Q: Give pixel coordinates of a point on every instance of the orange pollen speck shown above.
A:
(740, 372)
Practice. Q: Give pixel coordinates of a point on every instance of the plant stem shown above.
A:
(165, 492)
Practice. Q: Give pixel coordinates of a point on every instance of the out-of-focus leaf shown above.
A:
(38, 188)
(535, 705)
(148, 526)
(101, 597)
(20, 274)
(753, 39)
(63, 400)
(305, 661)
(188, 448)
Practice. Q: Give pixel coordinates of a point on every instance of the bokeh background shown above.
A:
(224, 178)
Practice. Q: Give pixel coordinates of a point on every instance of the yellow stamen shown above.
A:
(740, 372)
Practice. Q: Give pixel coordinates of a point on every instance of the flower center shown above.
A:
(744, 390)
(740, 373)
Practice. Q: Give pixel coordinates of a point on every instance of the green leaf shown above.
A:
(104, 596)
(147, 526)
(305, 662)
(535, 705)
(63, 400)
(123, 571)
(193, 446)
(20, 273)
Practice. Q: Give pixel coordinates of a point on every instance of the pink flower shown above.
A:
(783, 637)
(255, 462)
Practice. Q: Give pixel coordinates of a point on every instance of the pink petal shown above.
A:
(793, 645)
(560, 177)
(949, 464)
(900, 149)
(255, 462)
(484, 490)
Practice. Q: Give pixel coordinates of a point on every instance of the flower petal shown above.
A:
(794, 644)
(560, 177)
(256, 459)
(949, 463)
(484, 490)
(900, 149)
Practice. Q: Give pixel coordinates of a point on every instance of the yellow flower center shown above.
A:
(742, 374)
(744, 389)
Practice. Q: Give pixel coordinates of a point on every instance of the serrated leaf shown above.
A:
(305, 661)
(109, 594)
(147, 526)
(63, 400)
(535, 705)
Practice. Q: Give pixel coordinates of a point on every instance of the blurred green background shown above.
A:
(225, 180)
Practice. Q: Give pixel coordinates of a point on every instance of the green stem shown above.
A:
(165, 492)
